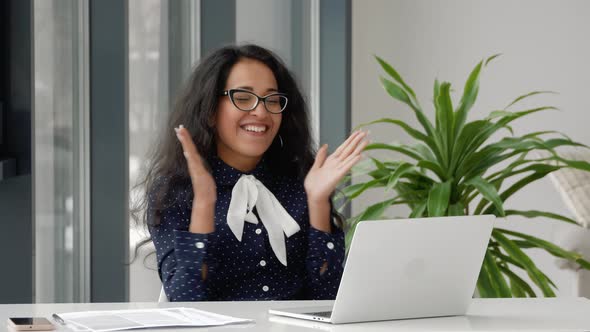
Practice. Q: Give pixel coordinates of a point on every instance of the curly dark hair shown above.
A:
(196, 107)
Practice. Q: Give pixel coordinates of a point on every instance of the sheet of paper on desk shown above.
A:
(114, 320)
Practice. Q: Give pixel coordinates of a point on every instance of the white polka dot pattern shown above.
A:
(246, 270)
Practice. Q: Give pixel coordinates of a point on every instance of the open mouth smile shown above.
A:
(255, 129)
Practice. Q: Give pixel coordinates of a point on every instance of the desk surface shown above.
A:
(553, 314)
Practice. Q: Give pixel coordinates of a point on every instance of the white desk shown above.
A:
(556, 314)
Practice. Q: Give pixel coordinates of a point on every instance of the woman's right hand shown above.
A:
(204, 188)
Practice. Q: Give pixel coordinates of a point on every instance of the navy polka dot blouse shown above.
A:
(246, 270)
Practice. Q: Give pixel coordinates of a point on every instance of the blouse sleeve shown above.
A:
(325, 249)
(181, 255)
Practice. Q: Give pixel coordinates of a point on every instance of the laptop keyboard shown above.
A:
(326, 314)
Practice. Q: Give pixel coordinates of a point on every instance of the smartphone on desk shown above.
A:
(30, 324)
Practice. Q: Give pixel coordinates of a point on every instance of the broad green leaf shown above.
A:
(498, 281)
(536, 167)
(521, 160)
(408, 151)
(355, 190)
(379, 173)
(445, 120)
(394, 74)
(505, 120)
(482, 161)
(548, 280)
(420, 179)
(434, 167)
(516, 290)
(351, 189)
(401, 170)
(379, 164)
(484, 284)
(436, 90)
(372, 212)
(509, 128)
(526, 143)
(577, 164)
(457, 209)
(507, 115)
(425, 152)
(583, 263)
(523, 285)
(556, 142)
(535, 214)
(544, 132)
(465, 139)
(489, 59)
(522, 183)
(362, 167)
(549, 247)
(412, 193)
(438, 199)
(482, 135)
(498, 114)
(517, 115)
(528, 95)
(444, 109)
(418, 210)
(412, 132)
(468, 99)
(488, 191)
(514, 251)
(415, 133)
(375, 211)
(505, 258)
(522, 244)
(398, 93)
(484, 202)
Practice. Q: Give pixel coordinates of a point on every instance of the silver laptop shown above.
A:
(407, 268)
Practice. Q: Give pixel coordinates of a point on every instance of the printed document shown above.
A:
(114, 320)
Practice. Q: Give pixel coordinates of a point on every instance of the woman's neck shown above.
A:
(240, 162)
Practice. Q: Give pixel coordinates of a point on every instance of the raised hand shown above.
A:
(327, 171)
(204, 187)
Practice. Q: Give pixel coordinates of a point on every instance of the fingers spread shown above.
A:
(321, 156)
(352, 145)
(360, 147)
(347, 165)
(345, 143)
(354, 157)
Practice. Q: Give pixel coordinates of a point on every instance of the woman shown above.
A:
(238, 207)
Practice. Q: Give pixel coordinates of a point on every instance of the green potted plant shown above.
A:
(452, 169)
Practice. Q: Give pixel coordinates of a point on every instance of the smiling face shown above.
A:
(243, 137)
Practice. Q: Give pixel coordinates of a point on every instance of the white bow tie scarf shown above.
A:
(249, 192)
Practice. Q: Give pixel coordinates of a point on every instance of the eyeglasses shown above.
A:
(246, 101)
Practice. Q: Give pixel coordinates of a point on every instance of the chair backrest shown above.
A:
(163, 297)
(574, 185)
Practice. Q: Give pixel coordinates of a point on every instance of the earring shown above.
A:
(281, 140)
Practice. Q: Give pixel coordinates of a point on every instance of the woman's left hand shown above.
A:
(327, 171)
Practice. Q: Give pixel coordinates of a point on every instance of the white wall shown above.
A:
(545, 46)
(266, 23)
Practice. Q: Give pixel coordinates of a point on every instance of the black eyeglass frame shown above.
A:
(230, 94)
